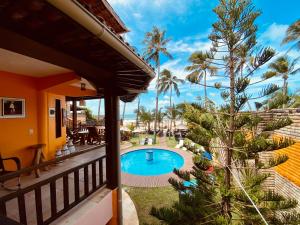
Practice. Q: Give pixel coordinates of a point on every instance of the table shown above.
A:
(82, 136)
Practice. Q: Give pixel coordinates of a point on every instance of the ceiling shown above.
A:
(16, 63)
(39, 30)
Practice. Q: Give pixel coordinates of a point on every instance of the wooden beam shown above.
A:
(74, 114)
(25, 46)
(112, 138)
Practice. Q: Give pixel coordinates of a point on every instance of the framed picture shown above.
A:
(13, 108)
(51, 112)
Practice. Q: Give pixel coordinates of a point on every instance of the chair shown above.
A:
(93, 135)
(180, 144)
(39, 156)
(3, 171)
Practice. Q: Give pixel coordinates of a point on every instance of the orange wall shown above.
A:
(15, 133)
(53, 142)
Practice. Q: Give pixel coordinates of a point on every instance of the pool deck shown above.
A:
(160, 180)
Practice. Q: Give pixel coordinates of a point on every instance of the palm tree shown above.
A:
(156, 44)
(137, 111)
(199, 68)
(168, 82)
(283, 67)
(123, 114)
(172, 115)
(99, 110)
(293, 34)
(160, 117)
(146, 117)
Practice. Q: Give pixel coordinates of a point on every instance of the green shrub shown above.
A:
(274, 125)
(282, 143)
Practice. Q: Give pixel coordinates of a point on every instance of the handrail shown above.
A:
(92, 181)
(46, 181)
(18, 173)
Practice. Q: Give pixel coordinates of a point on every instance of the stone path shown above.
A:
(130, 216)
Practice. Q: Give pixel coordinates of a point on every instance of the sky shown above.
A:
(188, 23)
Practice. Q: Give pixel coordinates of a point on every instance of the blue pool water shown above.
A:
(163, 162)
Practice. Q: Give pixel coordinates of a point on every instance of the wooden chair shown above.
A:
(39, 156)
(3, 171)
(93, 135)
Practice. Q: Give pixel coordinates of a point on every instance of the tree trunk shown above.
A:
(171, 110)
(205, 91)
(137, 113)
(99, 110)
(123, 114)
(228, 151)
(156, 103)
(284, 91)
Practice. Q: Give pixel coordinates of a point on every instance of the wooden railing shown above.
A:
(93, 179)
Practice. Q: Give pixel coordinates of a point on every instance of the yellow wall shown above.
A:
(17, 134)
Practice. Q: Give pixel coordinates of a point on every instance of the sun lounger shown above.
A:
(180, 144)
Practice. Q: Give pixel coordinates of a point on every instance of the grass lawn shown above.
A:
(171, 142)
(145, 198)
(135, 141)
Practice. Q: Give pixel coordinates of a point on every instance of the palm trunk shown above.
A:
(284, 92)
(123, 115)
(156, 103)
(137, 113)
(205, 91)
(99, 110)
(171, 110)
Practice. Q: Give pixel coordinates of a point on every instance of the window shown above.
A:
(57, 118)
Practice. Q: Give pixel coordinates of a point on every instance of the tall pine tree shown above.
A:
(217, 197)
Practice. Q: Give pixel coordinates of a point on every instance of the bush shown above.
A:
(261, 143)
(274, 125)
(282, 143)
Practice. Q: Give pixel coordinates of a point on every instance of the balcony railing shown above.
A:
(60, 192)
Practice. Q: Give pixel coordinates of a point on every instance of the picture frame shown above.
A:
(12, 107)
(52, 112)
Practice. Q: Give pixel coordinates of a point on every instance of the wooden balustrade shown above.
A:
(72, 192)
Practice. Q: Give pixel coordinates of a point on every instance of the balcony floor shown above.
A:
(12, 205)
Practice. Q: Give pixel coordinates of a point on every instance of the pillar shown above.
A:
(74, 102)
(113, 162)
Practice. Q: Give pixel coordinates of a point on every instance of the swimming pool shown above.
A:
(164, 161)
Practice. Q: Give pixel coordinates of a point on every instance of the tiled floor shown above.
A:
(12, 205)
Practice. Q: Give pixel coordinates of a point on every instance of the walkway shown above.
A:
(130, 216)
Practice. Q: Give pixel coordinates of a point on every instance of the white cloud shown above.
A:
(275, 33)
(189, 47)
(137, 15)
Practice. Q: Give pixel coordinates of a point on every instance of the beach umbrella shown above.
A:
(181, 127)
(124, 129)
(138, 130)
